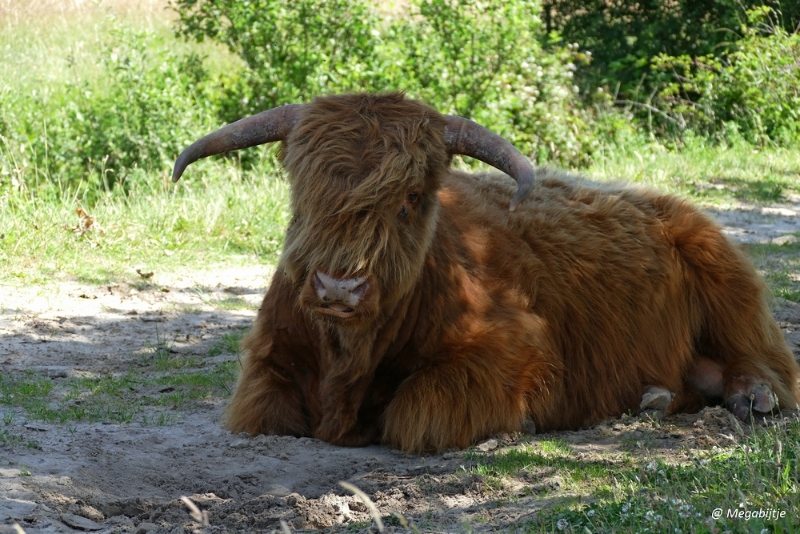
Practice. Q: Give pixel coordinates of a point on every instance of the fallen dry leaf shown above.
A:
(145, 275)
(86, 223)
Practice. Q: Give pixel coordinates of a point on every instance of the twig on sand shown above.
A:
(194, 511)
(373, 510)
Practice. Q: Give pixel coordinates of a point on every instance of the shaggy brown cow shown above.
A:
(412, 307)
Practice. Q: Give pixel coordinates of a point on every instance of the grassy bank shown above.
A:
(212, 217)
(221, 214)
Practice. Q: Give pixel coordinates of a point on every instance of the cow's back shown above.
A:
(595, 264)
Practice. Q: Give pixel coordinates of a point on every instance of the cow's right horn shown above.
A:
(265, 127)
(463, 136)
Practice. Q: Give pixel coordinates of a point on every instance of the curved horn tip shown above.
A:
(183, 161)
(522, 193)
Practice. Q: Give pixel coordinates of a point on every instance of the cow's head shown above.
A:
(364, 172)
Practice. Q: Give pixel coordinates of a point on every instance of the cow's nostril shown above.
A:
(341, 295)
(361, 289)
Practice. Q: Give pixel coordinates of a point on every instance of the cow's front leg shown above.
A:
(453, 405)
(338, 420)
(266, 401)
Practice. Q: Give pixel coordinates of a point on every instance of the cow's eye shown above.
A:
(413, 197)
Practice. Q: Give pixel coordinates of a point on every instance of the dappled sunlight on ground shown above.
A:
(136, 374)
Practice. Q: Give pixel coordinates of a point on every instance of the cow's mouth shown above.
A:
(337, 309)
(335, 296)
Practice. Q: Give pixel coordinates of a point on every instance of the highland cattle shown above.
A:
(414, 306)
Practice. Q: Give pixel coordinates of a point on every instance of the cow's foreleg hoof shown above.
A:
(758, 400)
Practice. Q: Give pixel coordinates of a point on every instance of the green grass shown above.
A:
(126, 398)
(161, 357)
(230, 343)
(157, 227)
(780, 266)
(716, 175)
(653, 495)
(45, 41)
(541, 460)
(220, 215)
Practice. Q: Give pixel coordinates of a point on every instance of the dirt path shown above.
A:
(129, 476)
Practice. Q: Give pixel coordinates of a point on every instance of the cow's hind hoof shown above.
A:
(529, 427)
(656, 398)
(760, 400)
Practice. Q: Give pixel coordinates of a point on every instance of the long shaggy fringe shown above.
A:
(351, 160)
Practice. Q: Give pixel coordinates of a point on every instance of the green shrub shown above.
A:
(752, 93)
(292, 49)
(484, 61)
(477, 59)
(626, 37)
(152, 102)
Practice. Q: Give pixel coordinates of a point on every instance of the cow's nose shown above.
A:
(339, 292)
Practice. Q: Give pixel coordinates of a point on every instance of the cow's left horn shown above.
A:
(463, 136)
(265, 127)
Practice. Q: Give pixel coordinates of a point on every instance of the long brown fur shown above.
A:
(562, 311)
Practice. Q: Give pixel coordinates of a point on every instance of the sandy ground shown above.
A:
(130, 477)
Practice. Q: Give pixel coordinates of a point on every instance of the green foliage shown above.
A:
(626, 37)
(484, 61)
(459, 52)
(293, 50)
(497, 63)
(75, 135)
(751, 94)
(476, 59)
(153, 100)
(723, 69)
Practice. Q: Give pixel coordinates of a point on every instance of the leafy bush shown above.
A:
(477, 59)
(77, 135)
(292, 49)
(484, 61)
(626, 37)
(752, 93)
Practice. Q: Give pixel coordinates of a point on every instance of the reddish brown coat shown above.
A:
(563, 311)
